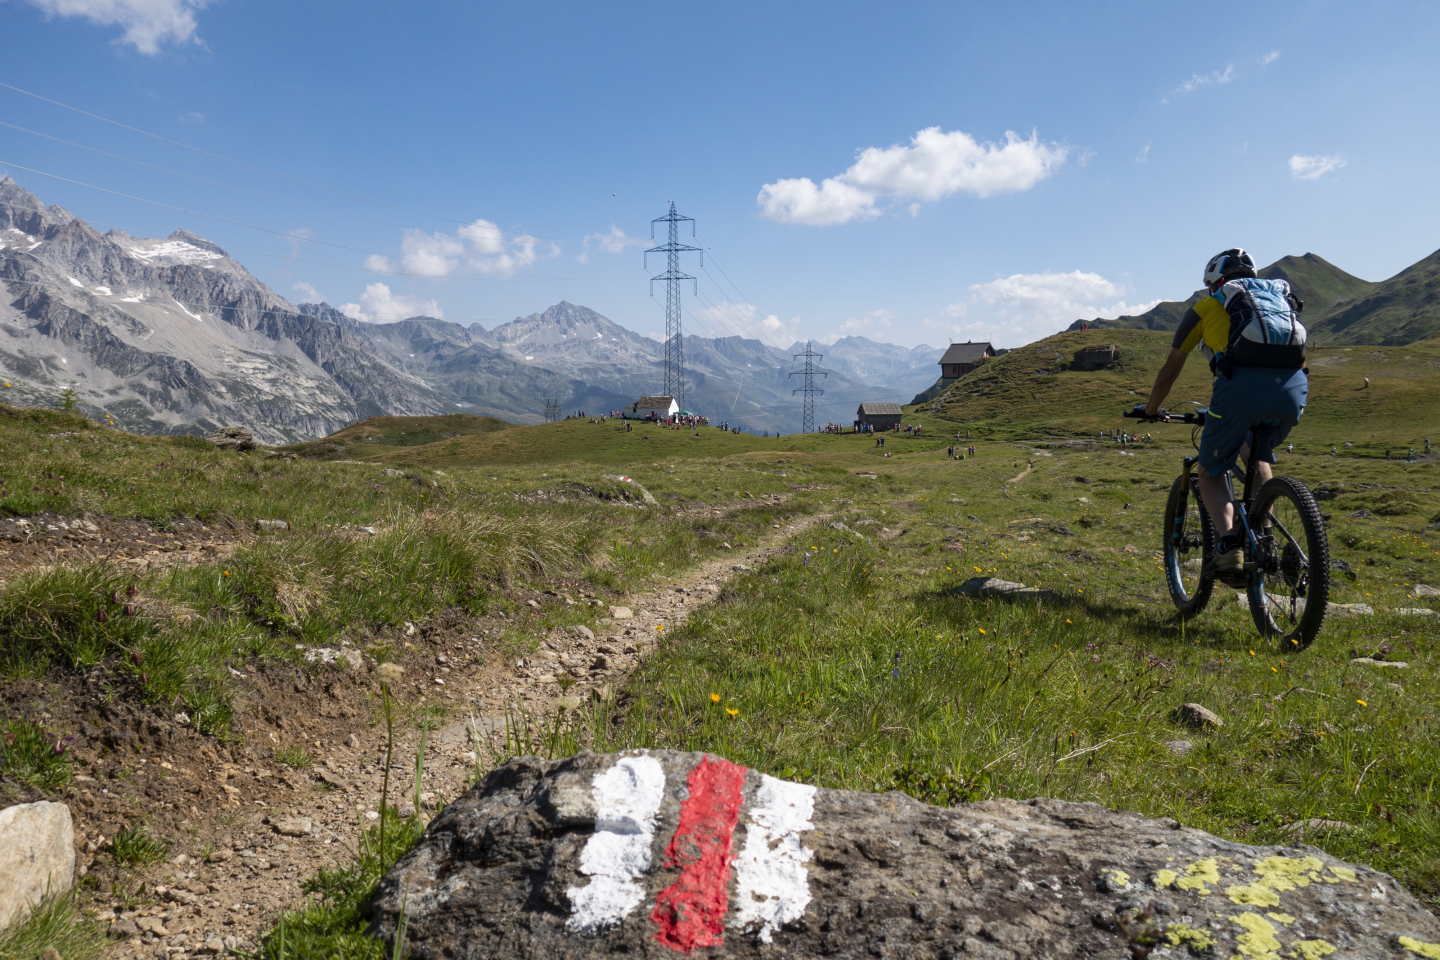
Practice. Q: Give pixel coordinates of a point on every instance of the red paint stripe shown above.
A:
(691, 911)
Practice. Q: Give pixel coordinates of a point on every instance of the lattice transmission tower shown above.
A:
(674, 336)
(808, 391)
(552, 409)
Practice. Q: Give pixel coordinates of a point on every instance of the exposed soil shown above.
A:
(221, 807)
(47, 539)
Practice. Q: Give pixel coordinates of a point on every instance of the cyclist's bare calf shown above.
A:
(1216, 495)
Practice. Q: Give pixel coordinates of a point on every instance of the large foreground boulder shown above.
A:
(652, 853)
(233, 438)
(37, 857)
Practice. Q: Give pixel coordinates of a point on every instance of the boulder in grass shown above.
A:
(654, 854)
(37, 857)
(233, 438)
(994, 587)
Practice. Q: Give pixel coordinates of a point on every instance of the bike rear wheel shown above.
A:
(1189, 538)
(1290, 588)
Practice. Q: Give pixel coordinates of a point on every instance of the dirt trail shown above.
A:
(246, 830)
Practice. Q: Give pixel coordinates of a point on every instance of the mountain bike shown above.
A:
(1286, 576)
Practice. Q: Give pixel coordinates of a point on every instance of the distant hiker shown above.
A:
(1367, 383)
(1289, 448)
(1251, 332)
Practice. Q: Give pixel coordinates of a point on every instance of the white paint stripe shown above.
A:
(627, 800)
(772, 887)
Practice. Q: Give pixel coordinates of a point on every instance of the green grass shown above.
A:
(57, 925)
(133, 847)
(296, 758)
(28, 754)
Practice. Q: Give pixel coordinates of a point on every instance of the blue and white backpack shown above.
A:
(1265, 327)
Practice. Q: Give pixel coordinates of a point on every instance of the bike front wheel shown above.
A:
(1290, 587)
(1189, 539)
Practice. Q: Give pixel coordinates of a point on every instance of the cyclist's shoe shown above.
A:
(1228, 559)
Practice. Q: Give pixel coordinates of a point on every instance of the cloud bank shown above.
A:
(935, 165)
(380, 305)
(1032, 305)
(148, 24)
(480, 246)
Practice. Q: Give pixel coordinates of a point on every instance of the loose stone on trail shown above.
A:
(658, 853)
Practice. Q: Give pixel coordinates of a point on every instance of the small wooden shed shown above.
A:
(881, 416)
(651, 408)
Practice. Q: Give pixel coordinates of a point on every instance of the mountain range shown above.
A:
(1339, 308)
(174, 336)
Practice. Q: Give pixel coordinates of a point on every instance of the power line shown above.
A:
(808, 390)
(238, 223)
(241, 163)
(674, 335)
(253, 193)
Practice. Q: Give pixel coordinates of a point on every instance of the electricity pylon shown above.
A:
(552, 409)
(807, 423)
(674, 336)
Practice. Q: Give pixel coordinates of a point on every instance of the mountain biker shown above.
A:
(1259, 378)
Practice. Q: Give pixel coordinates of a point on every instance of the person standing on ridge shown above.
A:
(1251, 332)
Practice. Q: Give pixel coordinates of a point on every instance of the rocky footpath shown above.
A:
(654, 853)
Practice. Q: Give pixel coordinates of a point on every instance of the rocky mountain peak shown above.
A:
(185, 236)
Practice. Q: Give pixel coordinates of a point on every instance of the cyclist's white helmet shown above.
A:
(1225, 265)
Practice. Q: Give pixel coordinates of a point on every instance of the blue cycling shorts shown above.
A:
(1253, 395)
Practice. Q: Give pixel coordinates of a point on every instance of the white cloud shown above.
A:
(1143, 155)
(1313, 168)
(296, 237)
(1269, 58)
(379, 304)
(613, 242)
(480, 246)
(307, 291)
(935, 165)
(873, 322)
(148, 24)
(1031, 305)
(743, 319)
(1198, 80)
(956, 310)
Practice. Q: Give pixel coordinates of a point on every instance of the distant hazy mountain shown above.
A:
(907, 369)
(1339, 308)
(173, 336)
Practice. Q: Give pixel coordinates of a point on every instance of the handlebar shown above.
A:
(1165, 416)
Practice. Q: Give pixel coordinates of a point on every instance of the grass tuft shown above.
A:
(133, 847)
(30, 755)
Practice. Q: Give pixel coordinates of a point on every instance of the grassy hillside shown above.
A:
(1318, 282)
(1031, 392)
(1403, 309)
(378, 433)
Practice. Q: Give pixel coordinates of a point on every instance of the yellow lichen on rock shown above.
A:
(1255, 894)
(1344, 873)
(1258, 942)
(1119, 878)
(1182, 934)
(1430, 951)
(1281, 917)
(1287, 873)
(1311, 949)
(1198, 874)
(1164, 878)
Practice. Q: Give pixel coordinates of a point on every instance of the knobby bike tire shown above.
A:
(1184, 504)
(1282, 569)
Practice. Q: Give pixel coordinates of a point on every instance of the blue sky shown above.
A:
(911, 173)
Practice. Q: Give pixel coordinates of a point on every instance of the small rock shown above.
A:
(1082, 500)
(391, 472)
(584, 632)
(532, 604)
(1369, 661)
(272, 525)
(1351, 609)
(50, 953)
(123, 929)
(988, 587)
(740, 568)
(621, 613)
(601, 663)
(294, 827)
(1317, 825)
(213, 945)
(1179, 747)
(1130, 547)
(37, 856)
(406, 811)
(332, 778)
(1421, 590)
(1415, 612)
(1195, 715)
(1361, 514)
(233, 438)
(353, 742)
(220, 856)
